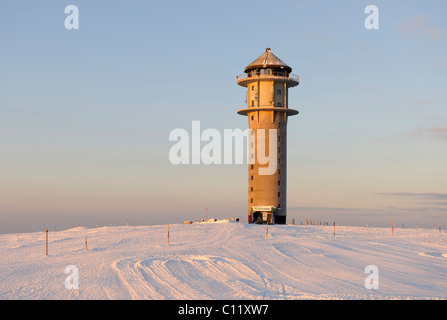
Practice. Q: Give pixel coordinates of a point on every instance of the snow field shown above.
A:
(225, 260)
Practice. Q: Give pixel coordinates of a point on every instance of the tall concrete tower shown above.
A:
(267, 80)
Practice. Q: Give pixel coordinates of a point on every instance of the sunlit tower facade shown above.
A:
(267, 80)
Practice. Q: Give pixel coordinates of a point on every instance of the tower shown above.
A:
(267, 80)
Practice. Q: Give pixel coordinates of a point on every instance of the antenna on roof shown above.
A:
(265, 60)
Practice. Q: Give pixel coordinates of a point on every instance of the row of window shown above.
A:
(279, 196)
(252, 156)
(278, 92)
(279, 126)
(252, 146)
(279, 181)
(252, 166)
(278, 105)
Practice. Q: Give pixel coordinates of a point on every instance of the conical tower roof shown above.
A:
(268, 59)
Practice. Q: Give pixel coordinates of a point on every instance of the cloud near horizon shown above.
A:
(417, 26)
(429, 205)
(420, 196)
(369, 211)
(438, 132)
(429, 201)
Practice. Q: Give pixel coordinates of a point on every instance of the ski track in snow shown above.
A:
(225, 260)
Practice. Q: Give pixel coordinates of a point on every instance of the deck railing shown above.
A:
(260, 75)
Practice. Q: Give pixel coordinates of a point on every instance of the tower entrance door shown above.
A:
(262, 215)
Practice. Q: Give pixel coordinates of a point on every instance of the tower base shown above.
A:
(265, 214)
(280, 220)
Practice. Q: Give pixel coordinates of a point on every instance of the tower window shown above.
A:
(278, 92)
(252, 117)
(251, 189)
(278, 104)
(279, 124)
(279, 194)
(279, 182)
(279, 138)
(279, 171)
(279, 205)
(252, 88)
(251, 167)
(251, 200)
(251, 177)
(279, 160)
(252, 103)
(279, 150)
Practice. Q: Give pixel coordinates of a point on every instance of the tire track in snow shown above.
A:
(188, 277)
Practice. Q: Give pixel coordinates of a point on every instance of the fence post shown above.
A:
(267, 231)
(46, 243)
(85, 243)
(392, 229)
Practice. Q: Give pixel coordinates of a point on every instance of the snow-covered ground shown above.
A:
(225, 260)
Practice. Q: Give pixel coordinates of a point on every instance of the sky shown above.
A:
(85, 114)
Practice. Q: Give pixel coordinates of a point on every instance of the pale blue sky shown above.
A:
(85, 114)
